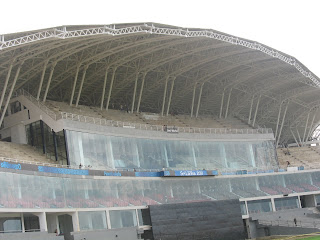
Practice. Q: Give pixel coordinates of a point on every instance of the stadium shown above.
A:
(150, 131)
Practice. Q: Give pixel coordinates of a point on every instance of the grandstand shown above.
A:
(149, 131)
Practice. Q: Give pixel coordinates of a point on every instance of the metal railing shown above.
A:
(148, 127)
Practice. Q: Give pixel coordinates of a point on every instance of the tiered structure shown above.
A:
(98, 123)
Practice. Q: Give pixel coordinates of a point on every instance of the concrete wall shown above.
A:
(111, 234)
(215, 219)
(18, 134)
(31, 236)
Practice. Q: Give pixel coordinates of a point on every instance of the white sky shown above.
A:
(290, 26)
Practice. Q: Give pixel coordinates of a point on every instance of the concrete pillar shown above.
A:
(75, 221)
(42, 221)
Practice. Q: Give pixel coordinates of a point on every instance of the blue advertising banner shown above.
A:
(117, 174)
(11, 165)
(148, 174)
(63, 170)
(186, 173)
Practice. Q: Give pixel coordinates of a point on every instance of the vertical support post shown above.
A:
(250, 112)
(199, 100)
(134, 92)
(6, 84)
(42, 78)
(75, 221)
(193, 97)
(278, 120)
(283, 118)
(55, 145)
(49, 81)
(111, 85)
(104, 88)
(305, 129)
(164, 95)
(42, 221)
(43, 137)
(170, 96)
(221, 104)
(81, 84)
(23, 229)
(256, 111)
(141, 90)
(228, 102)
(10, 93)
(74, 84)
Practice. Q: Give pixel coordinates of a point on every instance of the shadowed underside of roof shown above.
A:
(163, 69)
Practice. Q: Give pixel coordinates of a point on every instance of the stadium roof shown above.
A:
(159, 68)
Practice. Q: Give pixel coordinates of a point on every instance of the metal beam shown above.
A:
(10, 93)
(6, 84)
(228, 102)
(256, 111)
(278, 120)
(81, 84)
(299, 137)
(283, 118)
(305, 129)
(49, 81)
(311, 125)
(250, 112)
(141, 90)
(42, 78)
(104, 88)
(295, 139)
(199, 100)
(74, 84)
(221, 106)
(193, 97)
(164, 95)
(170, 96)
(134, 92)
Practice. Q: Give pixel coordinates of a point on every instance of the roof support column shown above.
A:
(277, 126)
(295, 139)
(141, 90)
(256, 111)
(221, 105)
(310, 128)
(74, 84)
(111, 85)
(282, 123)
(10, 93)
(104, 88)
(42, 78)
(81, 84)
(299, 138)
(6, 84)
(199, 100)
(193, 97)
(134, 92)
(49, 81)
(228, 102)
(164, 95)
(305, 129)
(170, 96)
(250, 112)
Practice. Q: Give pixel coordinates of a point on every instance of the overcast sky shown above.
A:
(290, 26)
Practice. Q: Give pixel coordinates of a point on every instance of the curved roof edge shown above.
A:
(61, 32)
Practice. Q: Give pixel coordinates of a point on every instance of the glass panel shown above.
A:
(286, 203)
(124, 218)
(92, 220)
(259, 206)
(144, 217)
(243, 208)
(10, 224)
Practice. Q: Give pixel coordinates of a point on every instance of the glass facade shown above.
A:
(138, 153)
(286, 203)
(33, 191)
